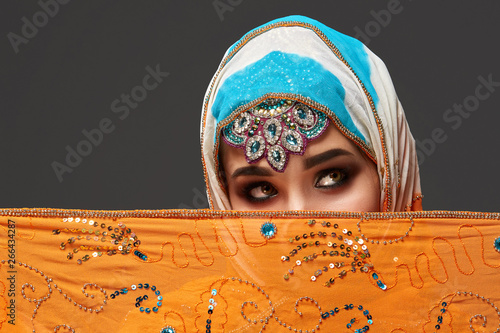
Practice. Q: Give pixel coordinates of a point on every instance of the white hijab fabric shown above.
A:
(299, 58)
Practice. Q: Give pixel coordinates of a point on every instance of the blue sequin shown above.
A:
(268, 230)
(381, 285)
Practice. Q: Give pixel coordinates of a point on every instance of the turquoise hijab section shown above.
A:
(353, 51)
(280, 72)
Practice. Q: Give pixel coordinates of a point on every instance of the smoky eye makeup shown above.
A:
(332, 178)
(259, 191)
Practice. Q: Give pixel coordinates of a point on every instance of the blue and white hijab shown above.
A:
(301, 60)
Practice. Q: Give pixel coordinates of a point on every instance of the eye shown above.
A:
(260, 191)
(331, 178)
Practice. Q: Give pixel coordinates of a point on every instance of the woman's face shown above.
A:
(333, 174)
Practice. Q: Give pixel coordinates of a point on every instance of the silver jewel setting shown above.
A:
(292, 141)
(272, 130)
(303, 115)
(276, 157)
(255, 147)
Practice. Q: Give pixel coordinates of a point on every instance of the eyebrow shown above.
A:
(251, 170)
(325, 156)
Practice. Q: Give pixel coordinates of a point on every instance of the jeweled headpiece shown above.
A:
(275, 128)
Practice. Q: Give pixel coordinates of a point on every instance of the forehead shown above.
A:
(233, 158)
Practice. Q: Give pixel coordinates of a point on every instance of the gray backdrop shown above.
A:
(68, 67)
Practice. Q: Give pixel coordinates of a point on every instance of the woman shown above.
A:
(301, 117)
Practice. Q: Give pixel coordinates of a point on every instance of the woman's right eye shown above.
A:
(260, 192)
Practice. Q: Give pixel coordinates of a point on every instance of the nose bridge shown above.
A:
(296, 199)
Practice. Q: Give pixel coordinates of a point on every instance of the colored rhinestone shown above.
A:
(272, 130)
(168, 329)
(268, 230)
(497, 244)
(242, 122)
(254, 147)
(276, 156)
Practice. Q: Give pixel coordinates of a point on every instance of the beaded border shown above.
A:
(208, 213)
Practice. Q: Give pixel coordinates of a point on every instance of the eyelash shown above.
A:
(324, 173)
(247, 189)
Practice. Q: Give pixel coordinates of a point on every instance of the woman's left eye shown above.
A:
(332, 178)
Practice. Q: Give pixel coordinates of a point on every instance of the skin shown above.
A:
(333, 174)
